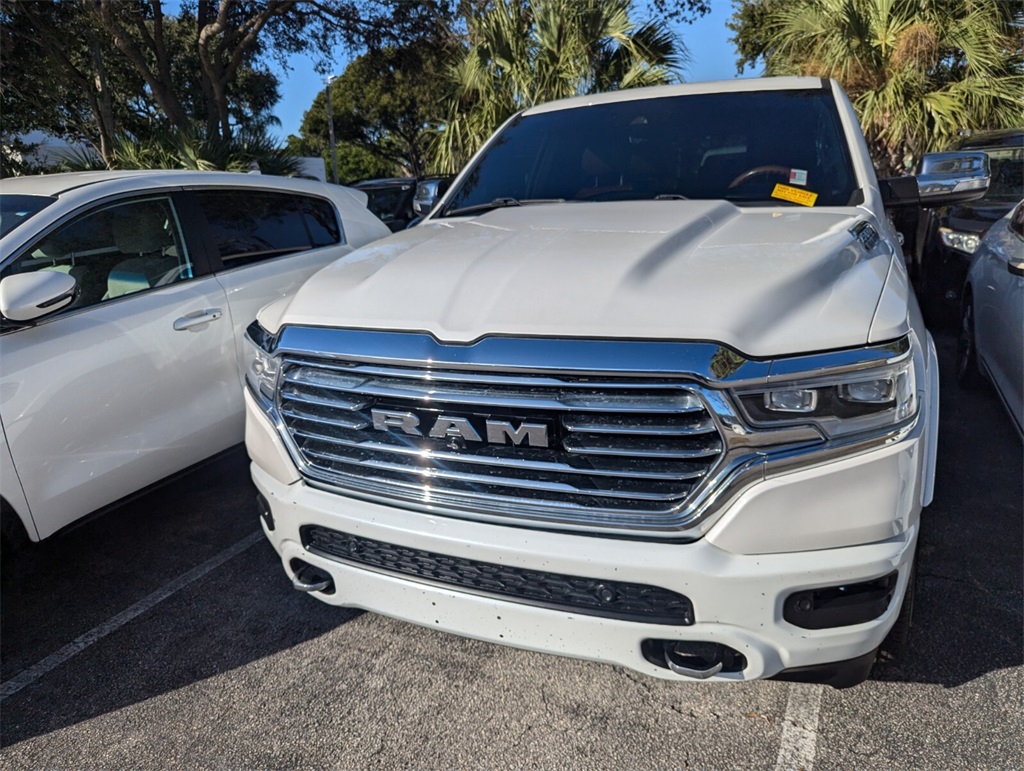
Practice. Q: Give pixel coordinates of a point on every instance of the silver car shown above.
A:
(992, 317)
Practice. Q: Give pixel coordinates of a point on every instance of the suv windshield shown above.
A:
(15, 209)
(734, 146)
(1007, 165)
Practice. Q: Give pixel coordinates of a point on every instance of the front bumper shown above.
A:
(847, 521)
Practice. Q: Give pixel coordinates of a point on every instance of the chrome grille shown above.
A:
(618, 449)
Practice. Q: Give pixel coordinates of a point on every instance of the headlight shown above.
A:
(262, 366)
(841, 404)
(963, 242)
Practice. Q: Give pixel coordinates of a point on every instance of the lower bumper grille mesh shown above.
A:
(587, 596)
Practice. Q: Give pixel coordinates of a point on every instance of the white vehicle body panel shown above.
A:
(797, 280)
(102, 401)
(999, 314)
(135, 399)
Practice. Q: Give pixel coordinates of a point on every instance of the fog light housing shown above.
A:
(842, 605)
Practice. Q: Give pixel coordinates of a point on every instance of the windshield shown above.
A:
(15, 209)
(737, 146)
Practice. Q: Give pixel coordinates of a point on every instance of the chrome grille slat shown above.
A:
(618, 425)
(545, 399)
(681, 474)
(503, 481)
(342, 421)
(334, 401)
(600, 449)
(600, 444)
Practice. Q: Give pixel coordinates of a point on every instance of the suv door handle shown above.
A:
(197, 318)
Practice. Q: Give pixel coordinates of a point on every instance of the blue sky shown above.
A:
(712, 57)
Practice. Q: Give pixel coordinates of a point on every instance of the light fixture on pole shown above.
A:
(330, 132)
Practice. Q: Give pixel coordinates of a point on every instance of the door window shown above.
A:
(114, 251)
(253, 225)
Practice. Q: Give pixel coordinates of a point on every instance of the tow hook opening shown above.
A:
(309, 578)
(693, 658)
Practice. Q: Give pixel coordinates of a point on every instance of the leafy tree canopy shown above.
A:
(918, 73)
(524, 52)
(104, 69)
(385, 102)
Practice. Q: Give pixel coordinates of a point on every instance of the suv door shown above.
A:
(133, 382)
(263, 245)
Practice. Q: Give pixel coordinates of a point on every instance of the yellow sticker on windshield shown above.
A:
(794, 195)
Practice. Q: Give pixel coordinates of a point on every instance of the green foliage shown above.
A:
(172, 149)
(385, 103)
(97, 70)
(525, 52)
(918, 73)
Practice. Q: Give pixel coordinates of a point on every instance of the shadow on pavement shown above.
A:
(969, 611)
(54, 592)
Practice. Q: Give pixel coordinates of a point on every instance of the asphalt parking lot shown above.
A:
(165, 635)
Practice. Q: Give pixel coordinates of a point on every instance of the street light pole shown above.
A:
(330, 132)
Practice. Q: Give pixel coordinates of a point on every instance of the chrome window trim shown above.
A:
(752, 454)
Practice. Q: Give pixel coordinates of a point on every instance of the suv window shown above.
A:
(114, 251)
(252, 225)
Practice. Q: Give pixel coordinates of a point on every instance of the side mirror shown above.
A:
(29, 296)
(945, 179)
(953, 177)
(428, 193)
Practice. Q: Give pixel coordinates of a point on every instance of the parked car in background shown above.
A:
(123, 297)
(391, 199)
(948, 236)
(991, 342)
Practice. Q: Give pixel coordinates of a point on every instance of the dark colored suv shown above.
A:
(390, 199)
(948, 236)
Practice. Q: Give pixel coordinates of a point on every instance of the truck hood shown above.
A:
(766, 282)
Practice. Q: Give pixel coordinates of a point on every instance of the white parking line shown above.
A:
(800, 728)
(54, 660)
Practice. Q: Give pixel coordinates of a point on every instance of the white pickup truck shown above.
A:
(647, 387)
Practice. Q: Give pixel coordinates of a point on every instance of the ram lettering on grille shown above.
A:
(455, 427)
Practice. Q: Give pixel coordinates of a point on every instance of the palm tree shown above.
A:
(918, 71)
(525, 52)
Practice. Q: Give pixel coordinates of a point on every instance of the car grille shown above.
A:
(590, 596)
(619, 451)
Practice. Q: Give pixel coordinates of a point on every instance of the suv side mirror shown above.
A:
(945, 179)
(428, 193)
(26, 297)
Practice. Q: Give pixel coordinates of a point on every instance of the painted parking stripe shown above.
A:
(800, 728)
(54, 660)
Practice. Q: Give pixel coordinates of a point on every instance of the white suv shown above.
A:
(123, 298)
(648, 387)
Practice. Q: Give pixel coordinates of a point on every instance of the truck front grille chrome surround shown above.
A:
(608, 447)
(574, 594)
(605, 437)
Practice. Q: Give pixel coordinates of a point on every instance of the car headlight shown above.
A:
(962, 242)
(262, 367)
(874, 399)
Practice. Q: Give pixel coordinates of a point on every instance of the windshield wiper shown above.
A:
(500, 203)
(670, 197)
